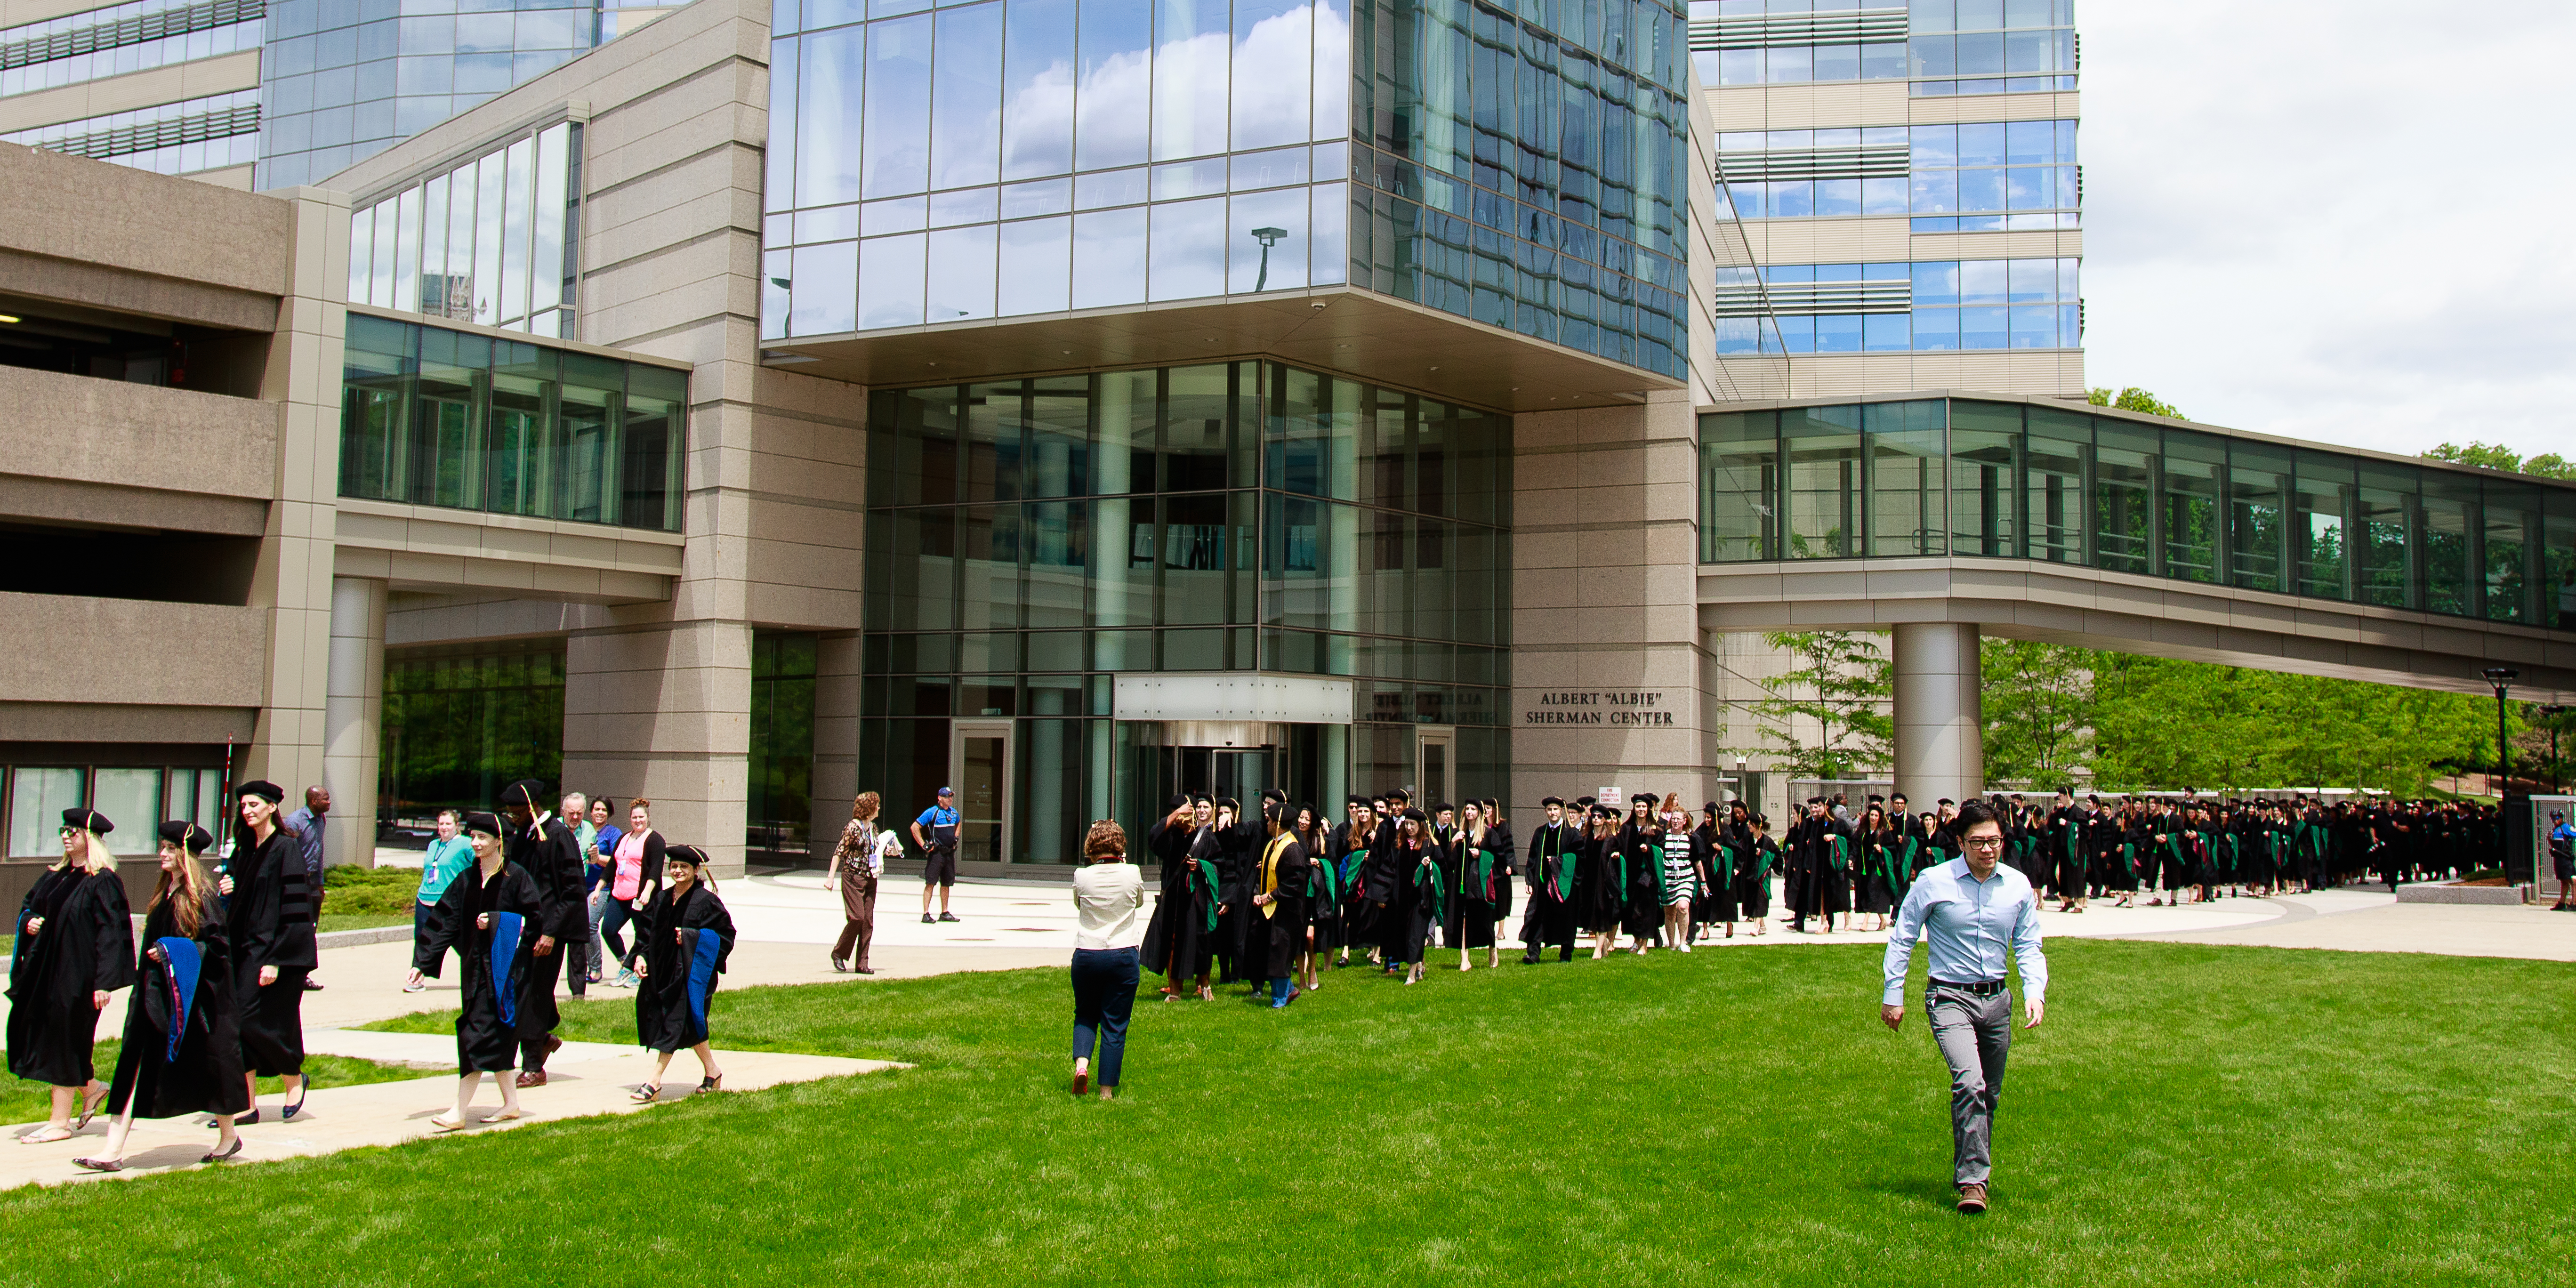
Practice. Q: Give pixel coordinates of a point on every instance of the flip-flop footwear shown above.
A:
(98, 1164)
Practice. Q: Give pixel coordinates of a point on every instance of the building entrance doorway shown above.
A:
(1435, 767)
(979, 767)
(1218, 772)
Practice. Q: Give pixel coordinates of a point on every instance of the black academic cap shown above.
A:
(483, 821)
(1709, 807)
(523, 792)
(1355, 800)
(1585, 801)
(1415, 815)
(87, 820)
(263, 789)
(187, 836)
(688, 854)
(1178, 800)
(1546, 801)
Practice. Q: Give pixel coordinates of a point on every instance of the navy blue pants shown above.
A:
(1104, 993)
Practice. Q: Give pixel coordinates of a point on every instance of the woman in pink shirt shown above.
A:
(630, 882)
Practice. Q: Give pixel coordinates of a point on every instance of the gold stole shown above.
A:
(1270, 872)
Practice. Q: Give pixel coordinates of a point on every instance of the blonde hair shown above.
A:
(95, 855)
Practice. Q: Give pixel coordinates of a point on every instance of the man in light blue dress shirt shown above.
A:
(1970, 911)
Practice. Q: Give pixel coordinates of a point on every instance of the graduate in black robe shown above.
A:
(691, 937)
(491, 915)
(268, 917)
(75, 946)
(182, 1048)
(1554, 857)
(1721, 834)
(1277, 884)
(1476, 882)
(1600, 881)
(544, 847)
(1346, 851)
(1181, 935)
(1641, 873)
(1755, 862)
(1499, 839)
(1420, 901)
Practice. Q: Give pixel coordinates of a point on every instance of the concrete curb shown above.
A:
(2512, 895)
(353, 938)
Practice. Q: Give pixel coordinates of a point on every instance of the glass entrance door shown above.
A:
(980, 768)
(1218, 772)
(1435, 767)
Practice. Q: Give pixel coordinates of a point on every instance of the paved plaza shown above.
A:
(788, 920)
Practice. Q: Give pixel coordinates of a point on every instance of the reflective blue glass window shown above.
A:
(966, 97)
(1984, 328)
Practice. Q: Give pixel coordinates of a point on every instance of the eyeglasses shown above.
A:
(1983, 842)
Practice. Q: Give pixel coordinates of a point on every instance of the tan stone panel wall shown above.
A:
(665, 714)
(148, 88)
(90, 212)
(2066, 105)
(2021, 245)
(235, 177)
(1604, 601)
(140, 436)
(2046, 373)
(1829, 241)
(115, 722)
(1806, 107)
(132, 651)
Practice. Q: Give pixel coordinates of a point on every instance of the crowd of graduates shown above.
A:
(228, 935)
(1280, 894)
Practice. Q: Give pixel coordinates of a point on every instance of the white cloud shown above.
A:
(2343, 221)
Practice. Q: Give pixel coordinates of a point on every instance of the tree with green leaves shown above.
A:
(2133, 399)
(1844, 682)
(2039, 711)
(2497, 456)
(2162, 723)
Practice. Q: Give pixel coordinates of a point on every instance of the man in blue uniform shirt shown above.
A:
(939, 846)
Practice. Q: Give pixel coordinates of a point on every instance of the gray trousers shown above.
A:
(1974, 1034)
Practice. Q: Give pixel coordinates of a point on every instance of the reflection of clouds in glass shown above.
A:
(1109, 258)
(1037, 124)
(1189, 239)
(1332, 25)
(1111, 110)
(1036, 264)
(1189, 96)
(961, 273)
(890, 276)
(821, 299)
(1269, 96)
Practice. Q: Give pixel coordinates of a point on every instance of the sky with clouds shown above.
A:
(2350, 221)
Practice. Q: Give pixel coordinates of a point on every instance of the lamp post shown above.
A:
(2502, 677)
(1268, 237)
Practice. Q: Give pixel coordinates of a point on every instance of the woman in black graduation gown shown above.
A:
(1178, 936)
(691, 935)
(1473, 871)
(268, 917)
(75, 946)
(1600, 881)
(489, 915)
(1755, 860)
(1719, 837)
(183, 987)
(1323, 897)
(1879, 843)
(1641, 850)
(1498, 840)
(1419, 902)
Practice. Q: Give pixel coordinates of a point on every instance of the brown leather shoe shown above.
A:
(553, 1044)
(532, 1078)
(1972, 1197)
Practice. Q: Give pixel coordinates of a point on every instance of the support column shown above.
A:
(353, 717)
(665, 713)
(1940, 717)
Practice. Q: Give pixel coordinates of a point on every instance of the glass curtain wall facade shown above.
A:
(341, 80)
(175, 135)
(2009, 480)
(495, 241)
(1030, 539)
(430, 416)
(1525, 166)
(1032, 156)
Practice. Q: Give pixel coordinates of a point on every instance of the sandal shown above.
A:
(98, 1164)
(507, 1116)
(90, 1107)
(45, 1135)
(647, 1094)
(217, 1156)
(840, 967)
(444, 1123)
(1081, 1081)
(713, 1082)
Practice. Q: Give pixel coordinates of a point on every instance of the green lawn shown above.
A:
(30, 1102)
(2189, 1115)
